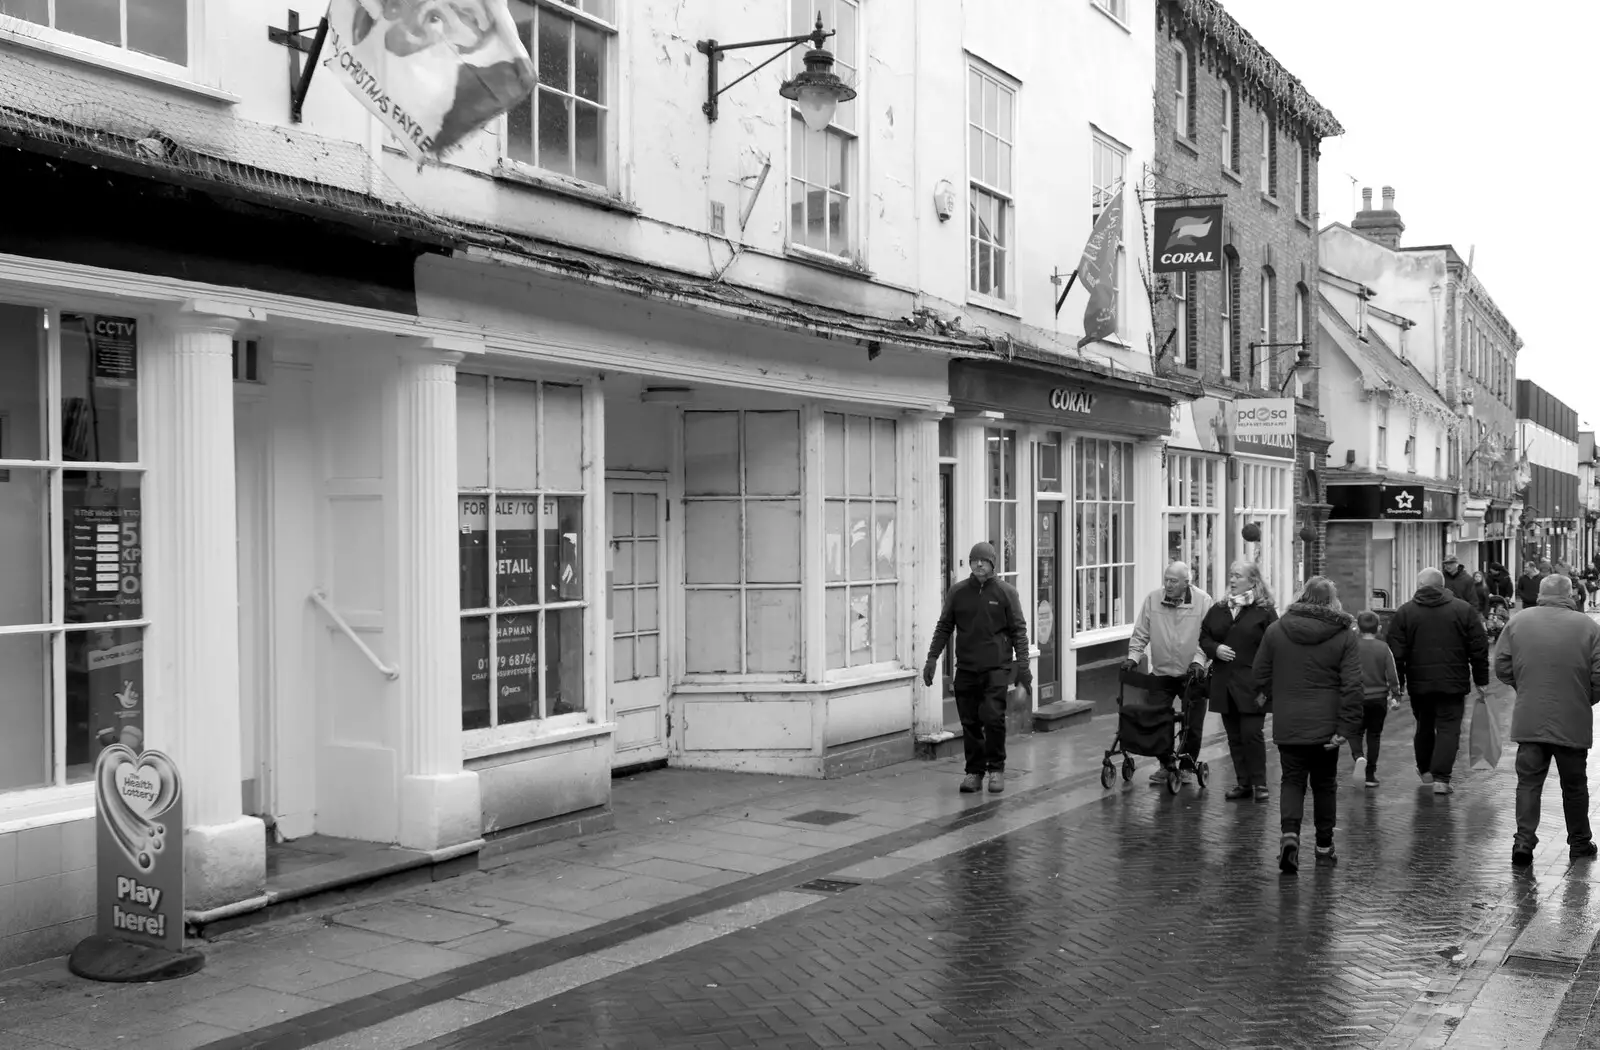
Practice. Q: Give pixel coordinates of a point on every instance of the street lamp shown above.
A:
(816, 91)
(1302, 362)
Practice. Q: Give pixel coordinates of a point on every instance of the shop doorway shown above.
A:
(636, 524)
(1383, 593)
(1047, 589)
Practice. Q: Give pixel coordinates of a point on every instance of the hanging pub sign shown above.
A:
(1188, 238)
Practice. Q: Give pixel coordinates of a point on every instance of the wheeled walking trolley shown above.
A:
(1152, 731)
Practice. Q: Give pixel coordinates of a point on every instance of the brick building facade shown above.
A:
(1232, 126)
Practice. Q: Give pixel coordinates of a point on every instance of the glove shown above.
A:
(1197, 671)
(928, 671)
(1025, 679)
(1130, 664)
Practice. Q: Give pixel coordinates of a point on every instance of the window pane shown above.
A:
(646, 612)
(516, 688)
(859, 613)
(22, 355)
(472, 431)
(159, 28)
(883, 541)
(646, 561)
(647, 656)
(563, 438)
(589, 69)
(105, 695)
(834, 539)
(562, 521)
(563, 662)
(711, 542)
(24, 513)
(838, 224)
(772, 645)
(99, 388)
(555, 127)
(516, 580)
(516, 428)
(619, 515)
(974, 97)
(96, 19)
(1008, 549)
(772, 542)
(834, 603)
(711, 632)
(25, 712)
(772, 453)
(104, 546)
(833, 454)
(646, 509)
(473, 519)
(622, 660)
(555, 40)
(885, 624)
(859, 523)
(711, 453)
(589, 132)
(622, 610)
(475, 672)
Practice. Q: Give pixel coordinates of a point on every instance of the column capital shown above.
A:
(445, 349)
(213, 315)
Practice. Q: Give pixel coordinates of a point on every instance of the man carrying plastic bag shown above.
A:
(1550, 655)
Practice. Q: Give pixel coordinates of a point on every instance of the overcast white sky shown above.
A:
(1476, 116)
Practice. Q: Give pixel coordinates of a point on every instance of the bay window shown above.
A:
(1103, 519)
(860, 514)
(71, 602)
(522, 512)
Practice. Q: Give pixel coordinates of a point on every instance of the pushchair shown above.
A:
(1499, 615)
(1151, 730)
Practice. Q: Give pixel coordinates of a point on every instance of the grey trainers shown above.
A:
(1442, 787)
(997, 782)
(972, 782)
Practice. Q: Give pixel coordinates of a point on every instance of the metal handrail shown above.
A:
(349, 632)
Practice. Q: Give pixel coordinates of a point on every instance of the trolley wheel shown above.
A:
(1173, 781)
(1202, 773)
(1127, 769)
(1108, 775)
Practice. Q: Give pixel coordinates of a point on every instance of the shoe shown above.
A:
(1234, 794)
(1442, 787)
(1427, 778)
(1360, 771)
(997, 782)
(1372, 781)
(1326, 855)
(1289, 854)
(972, 782)
(1521, 858)
(1582, 850)
(1262, 794)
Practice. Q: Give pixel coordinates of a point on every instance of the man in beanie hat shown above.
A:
(991, 650)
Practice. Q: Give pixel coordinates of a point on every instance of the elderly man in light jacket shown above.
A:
(1550, 655)
(1168, 628)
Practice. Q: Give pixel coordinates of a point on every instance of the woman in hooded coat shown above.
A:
(1309, 670)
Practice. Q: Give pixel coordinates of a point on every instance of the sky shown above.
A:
(1477, 117)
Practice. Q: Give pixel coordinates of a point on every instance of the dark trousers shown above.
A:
(1533, 764)
(981, 703)
(1174, 689)
(1320, 765)
(1373, 714)
(1438, 732)
(1247, 743)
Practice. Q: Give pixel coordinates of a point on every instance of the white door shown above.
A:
(636, 523)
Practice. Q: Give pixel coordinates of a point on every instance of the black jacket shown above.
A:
(1462, 585)
(991, 630)
(1502, 584)
(1439, 645)
(1233, 682)
(1309, 669)
(1528, 590)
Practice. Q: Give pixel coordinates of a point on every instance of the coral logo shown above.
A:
(1187, 230)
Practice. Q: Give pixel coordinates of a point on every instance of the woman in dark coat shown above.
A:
(1230, 635)
(1480, 594)
(1309, 670)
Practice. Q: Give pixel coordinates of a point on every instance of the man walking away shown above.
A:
(1459, 581)
(991, 640)
(1551, 657)
(1169, 628)
(1440, 651)
(1528, 586)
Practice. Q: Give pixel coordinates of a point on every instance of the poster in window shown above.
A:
(516, 575)
(115, 664)
(860, 621)
(562, 522)
(473, 521)
(516, 696)
(475, 673)
(103, 554)
(113, 351)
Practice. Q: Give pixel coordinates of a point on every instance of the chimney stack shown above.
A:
(1383, 225)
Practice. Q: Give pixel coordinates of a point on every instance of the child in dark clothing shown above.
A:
(1380, 694)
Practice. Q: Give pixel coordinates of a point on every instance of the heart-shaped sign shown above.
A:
(134, 792)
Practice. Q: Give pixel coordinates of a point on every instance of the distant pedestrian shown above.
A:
(1309, 670)
(1480, 594)
(991, 650)
(1458, 579)
(1168, 627)
(1500, 582)
(1528, 585)
(1440, 651)
(1230, 635)
(1551, 657)
(1380, 694)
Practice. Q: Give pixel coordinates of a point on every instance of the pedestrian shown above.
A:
(1230, 635)
(1168, 627)
(1441, 652)
(1309, 670)
(1528, 585)
(1500, 582)
(1380, 694)
(991, 650)
(1480, 594)
(1551, 657)
(1458, 579)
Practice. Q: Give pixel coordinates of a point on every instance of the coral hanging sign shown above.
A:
(1188, 239)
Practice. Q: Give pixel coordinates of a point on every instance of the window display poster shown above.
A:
(517, 668)
(139, 855)
(116, 691)
(475, 673)
(104, 554)
(473, 518)
(515, 548)
(113, 346)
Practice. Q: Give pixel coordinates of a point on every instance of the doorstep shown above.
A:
(320, 870)
(1051, 717)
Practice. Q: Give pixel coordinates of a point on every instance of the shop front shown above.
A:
(1380, 535)
(1263, 488)
(1062, 474)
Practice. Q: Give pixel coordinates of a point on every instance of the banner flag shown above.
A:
(432, 71)
(1098, 270)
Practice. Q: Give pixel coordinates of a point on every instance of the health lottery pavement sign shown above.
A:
(139, 856)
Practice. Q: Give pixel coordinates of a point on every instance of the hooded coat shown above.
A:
(987, 619)
(1462, 585)
(1439, 644)
(1309, 669)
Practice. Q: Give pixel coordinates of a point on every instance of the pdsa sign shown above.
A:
(139, 803)
(1263, 417)
(1188, 239)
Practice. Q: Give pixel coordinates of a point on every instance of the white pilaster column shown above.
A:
(191, 584)
(439, 802)
(922, 564)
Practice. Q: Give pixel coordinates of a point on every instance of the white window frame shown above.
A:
(189, 74)
(1381, 447)
(1269, 325)
(1181, 73)
(1108, 171)
(1230, 130)
(1088, 454)
(609, 147)
(845, 128)
(874, 582)
(1269, 156)
(1196, 494)
(1009, 565)
(1411, 444)
(1117, 9)
(54, 630)
(1302, 180)
(1266, 497)
(1001, 197)
(497, 732)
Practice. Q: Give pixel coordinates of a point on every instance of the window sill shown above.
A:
(1187, 144)
(1303, 221)
(1119, 23)
(1232, 176)
(823, 261)
(42, 807)
(1267, 198)
(1100, 636)
(556, 186)
(830, 686)
(127, 67)
(528, 737)
(996, 306)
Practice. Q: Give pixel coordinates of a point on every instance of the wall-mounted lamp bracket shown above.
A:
(714, 52)
(1056, 278)
(294, 39)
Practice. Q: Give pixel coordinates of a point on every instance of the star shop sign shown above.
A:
(1404, 502)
